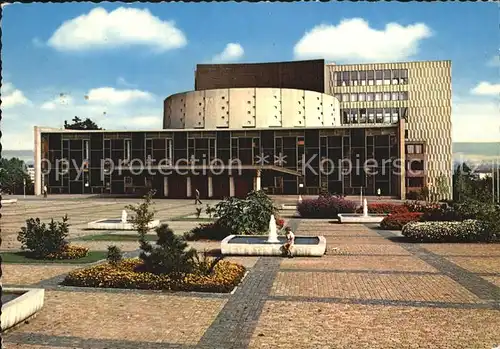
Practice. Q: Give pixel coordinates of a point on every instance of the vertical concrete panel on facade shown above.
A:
(38, 160)
(178, 111)
(217, 108)
(292, 102)
(267, 107)
(195, 109)
(242, 107)
(313, 109)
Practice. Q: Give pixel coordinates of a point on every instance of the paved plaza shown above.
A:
(371, 290)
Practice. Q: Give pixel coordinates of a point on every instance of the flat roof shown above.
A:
(59, 130)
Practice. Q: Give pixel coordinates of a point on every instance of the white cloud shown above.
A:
(109, 95)
(494, 61)
(37, 42)
(146, 121)
(122, 82)
(121, 27)
(355, 41)
(485, 88)
(12, 97)
(475, 121)
(231, 53)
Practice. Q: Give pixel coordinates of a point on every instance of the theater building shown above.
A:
(287, 128)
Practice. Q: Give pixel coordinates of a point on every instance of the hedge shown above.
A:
(325, 207)
(223, 279)
(465, 231)
(399, 220)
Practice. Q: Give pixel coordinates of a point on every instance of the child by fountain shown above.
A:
(290, 239)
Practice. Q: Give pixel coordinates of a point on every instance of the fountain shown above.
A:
(271, 245)
(361, 218)
(124, 216)
(117, 223)
(273, 231)
(365, 208)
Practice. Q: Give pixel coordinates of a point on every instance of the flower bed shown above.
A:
(399, 220)
(69, 252)
(224, 278)
(325, 207)
(466, 231)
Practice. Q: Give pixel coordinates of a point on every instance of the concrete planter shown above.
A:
(19, 309)
(116, 224)
(263, 248)
(360, 219)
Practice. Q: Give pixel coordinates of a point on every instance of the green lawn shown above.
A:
(21, 258)
(116, 237)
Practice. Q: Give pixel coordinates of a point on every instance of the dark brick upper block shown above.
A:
(303, 75)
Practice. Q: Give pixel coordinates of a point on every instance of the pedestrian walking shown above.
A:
(197, 197)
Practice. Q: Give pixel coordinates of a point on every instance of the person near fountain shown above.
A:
(290, 240)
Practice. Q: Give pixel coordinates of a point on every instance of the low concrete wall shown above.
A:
(103, 225)
(22, 307)
(271, 249)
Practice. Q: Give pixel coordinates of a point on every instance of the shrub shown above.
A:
(413, 195)
(210, 231)
(143, 217)
(115, 255)
(325, 207)
(465, 231)
(42, 240)
(385, 208)
(126, 274)
(210, 211)
(246, 216)
(280, 223)
(415, 206)
(399, 220)
(441, 213)
(69, 252)
(169, 256)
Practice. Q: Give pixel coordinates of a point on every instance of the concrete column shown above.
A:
(38, 161)
(165, 186)
(188, 187)
(210, 187)
(231, 186)
(257, 181)
(402, 158)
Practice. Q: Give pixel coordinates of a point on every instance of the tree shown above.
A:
(12, 176)
(78, 124)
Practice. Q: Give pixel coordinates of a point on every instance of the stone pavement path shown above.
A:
(369, 291)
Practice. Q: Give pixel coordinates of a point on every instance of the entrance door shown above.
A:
(242, 185)
(177, 187)
(220, 187)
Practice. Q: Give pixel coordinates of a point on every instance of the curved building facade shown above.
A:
(238, 108)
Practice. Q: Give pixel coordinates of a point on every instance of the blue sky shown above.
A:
(116, 63)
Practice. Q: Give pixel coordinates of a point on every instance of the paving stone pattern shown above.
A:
(370, 290)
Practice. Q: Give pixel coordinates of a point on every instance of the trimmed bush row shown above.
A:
(398, 221)
(381, 208)
(325, 207)
(224, 278)
(466, 231)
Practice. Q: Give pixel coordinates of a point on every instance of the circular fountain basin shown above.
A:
(245, 245)
(249, 239)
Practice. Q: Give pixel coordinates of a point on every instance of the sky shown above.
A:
(115, 63)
